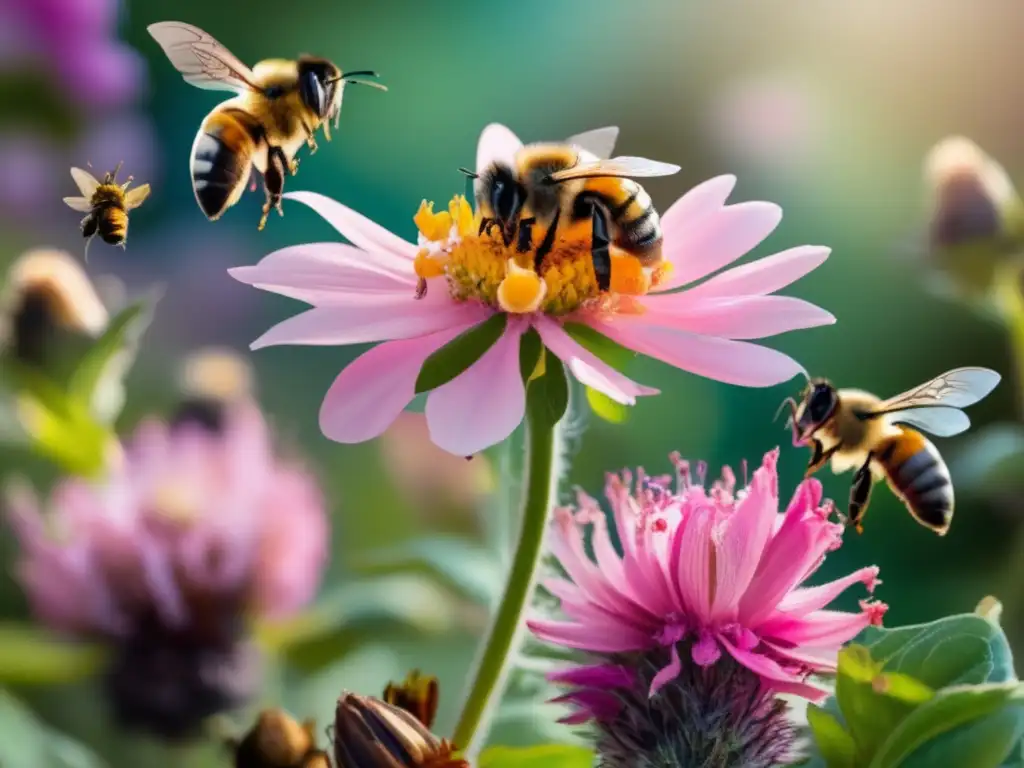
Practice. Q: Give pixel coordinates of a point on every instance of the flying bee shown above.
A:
(107, 202)
(278, 741)
(856, 429)
(279, 105)
(548, 187)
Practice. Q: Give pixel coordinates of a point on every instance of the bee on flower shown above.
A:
(468, 272)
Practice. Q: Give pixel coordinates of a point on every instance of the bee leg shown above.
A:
(860, 494)
(525, 239)
(310, 139)
(600, 244)
(819, 457)
(273, 183)
(485, 226)
(546, 244)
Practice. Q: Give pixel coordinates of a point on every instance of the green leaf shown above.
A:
(544, 756)
(606, 408)
(460, 353)
(461, 564)
(835, 744)
(30, 743)
(547, 396)
(77, 444)
(356, 613)
(109, 358)
(952, 708)
(611, 352)
(32, 656)
(531, 356)
(954, 650)
(873, 704)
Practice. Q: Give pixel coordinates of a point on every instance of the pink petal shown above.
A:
(742, 317)
(734, 362)
(776, 677)
(355, 227)
(606, 638)
(744, 538)
(372, 317)
(821, 628)
(700, 201)
(373, 389)
(594, 676)
(318, 272)
(764, 276)
(485, 403)
(706, 650)
(668, 673)
(695, 562)
(817, 659)
(587, 367)
(497, 144)
(800, 602)
(716, 240)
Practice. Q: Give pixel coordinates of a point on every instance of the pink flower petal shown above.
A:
(734, 362)
(611, 637)
(742, 317)
(587, 367)
(696, 559)
(594, 676)
(317, 272)
(373, 389)
(773, 674)
(372, 317)
(764, 276)
(355, 227)
(800, 602)
(668, 673)
(707, 197)
(821, 628)
(743, 540)
(497, 144)
(706, 650)
(821, 660)
(485, 403)
(716, 240)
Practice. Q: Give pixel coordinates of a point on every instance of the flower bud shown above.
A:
(370, 733)
(277, 740)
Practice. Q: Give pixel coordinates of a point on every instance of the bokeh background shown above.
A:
(826, 109)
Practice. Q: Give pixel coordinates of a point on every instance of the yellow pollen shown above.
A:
(434, 226)
(628, 276)
(661, 273)
(428, 265)
(521, 291)
(481, 267)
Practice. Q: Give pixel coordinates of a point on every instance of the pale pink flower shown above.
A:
(364, 292)
(199, 529)
(705, 578)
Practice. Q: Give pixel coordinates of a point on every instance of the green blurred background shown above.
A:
(826, 109)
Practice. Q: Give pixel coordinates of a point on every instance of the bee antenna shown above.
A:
(788, 401)
(471, 174)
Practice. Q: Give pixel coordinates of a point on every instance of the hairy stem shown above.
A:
(505, 634)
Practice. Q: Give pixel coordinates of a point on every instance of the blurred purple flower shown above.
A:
(76, 38)
(200, 529)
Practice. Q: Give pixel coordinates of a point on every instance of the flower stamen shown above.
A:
(521, 291)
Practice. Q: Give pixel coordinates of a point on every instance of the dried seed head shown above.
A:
(417, 694)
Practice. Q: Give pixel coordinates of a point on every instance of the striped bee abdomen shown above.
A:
(113, 224)
(634, 222)
(918, 475)
(222, 159)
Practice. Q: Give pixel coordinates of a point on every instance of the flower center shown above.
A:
(479, 265)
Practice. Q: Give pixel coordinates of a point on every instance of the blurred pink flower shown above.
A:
(199, 529)
(705, 577)
(365, 292)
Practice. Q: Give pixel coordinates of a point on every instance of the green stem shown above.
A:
(506, 631)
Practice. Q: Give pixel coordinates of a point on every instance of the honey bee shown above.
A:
(278, 741)
(278, 107)
(856, 429)
(552, 186)
(107, 202)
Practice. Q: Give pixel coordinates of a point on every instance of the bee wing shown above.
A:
(200, 59)
(628, 167)
(86, 182)
(957, 388)
(599, 142)
(80, 204)
(133, 198)
(941, 421)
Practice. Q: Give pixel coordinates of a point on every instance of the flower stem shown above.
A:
(506, 631)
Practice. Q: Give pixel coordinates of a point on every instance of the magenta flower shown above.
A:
(703, 611)
(198, 530)
(366, 292)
